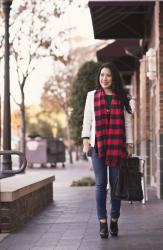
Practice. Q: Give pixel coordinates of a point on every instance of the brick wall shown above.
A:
(148, 122)
(144, 121)
(160, 55)
(16, 213)
(135, 93)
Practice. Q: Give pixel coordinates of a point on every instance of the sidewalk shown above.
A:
(70, 223)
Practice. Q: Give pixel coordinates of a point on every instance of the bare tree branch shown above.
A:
(15, 100)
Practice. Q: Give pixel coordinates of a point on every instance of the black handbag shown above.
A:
(128, 184)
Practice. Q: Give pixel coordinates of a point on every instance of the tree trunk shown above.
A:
(77, 153)
(23, 123)
(69, 141)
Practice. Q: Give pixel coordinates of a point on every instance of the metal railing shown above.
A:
(22, 161)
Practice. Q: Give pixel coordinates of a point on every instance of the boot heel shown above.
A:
(104, 230)
(114, 228)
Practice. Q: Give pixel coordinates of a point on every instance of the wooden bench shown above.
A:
(22, 196)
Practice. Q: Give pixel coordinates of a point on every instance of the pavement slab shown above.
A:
(70, 222)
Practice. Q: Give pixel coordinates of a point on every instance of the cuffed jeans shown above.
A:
(100, 170)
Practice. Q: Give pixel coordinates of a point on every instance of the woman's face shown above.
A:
(105, 78)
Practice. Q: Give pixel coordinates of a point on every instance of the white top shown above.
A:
(89, 120)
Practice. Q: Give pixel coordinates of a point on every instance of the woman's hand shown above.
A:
(86, 146)
(130, 149)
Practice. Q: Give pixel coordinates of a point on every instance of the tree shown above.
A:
(41, 122)
(57, 93)
(85, 81)
(33, 36)
(41, 128)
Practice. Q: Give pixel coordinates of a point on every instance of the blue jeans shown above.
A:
(100, 170)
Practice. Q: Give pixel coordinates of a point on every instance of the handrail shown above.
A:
(23, 161)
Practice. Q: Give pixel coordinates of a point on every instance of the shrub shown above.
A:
(86, 181)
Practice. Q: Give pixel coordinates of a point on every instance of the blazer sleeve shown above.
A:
(128, 123)
(87, 120)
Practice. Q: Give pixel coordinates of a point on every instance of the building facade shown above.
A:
(137, 27)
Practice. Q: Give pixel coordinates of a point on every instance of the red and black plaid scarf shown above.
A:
(110, 130)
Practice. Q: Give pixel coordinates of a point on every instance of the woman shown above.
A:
(107, 131)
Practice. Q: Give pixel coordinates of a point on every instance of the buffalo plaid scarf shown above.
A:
(110, 130)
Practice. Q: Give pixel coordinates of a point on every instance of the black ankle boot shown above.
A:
(103, 229)
(114, 228)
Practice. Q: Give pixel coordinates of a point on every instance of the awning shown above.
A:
(125, 54)
(121, 19)
(119, 48)
(120, 52)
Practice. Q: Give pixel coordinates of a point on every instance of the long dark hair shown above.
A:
(116, 86)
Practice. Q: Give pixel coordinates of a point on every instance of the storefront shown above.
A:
(137, 27)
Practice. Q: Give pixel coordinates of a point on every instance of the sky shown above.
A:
(84, 28)
(34, 86)
(78, 17)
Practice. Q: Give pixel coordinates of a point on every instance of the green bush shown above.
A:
(86, 181)
(85, 81)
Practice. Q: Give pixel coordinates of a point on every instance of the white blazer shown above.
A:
(89, 120)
